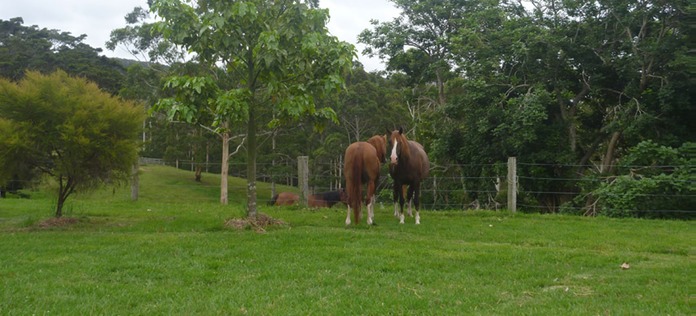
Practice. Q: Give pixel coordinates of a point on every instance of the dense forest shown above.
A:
(597, 93)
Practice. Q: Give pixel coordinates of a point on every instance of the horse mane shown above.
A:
(380, 144)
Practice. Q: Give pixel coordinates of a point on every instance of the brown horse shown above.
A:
(408, 166)
(362, 162)
(380, 144)
(284, 198)
(327, 199)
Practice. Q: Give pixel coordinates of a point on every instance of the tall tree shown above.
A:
(40, 49)
(420, 41)
(69, 129)
(275, 56)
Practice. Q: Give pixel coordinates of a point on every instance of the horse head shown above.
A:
(398, 143)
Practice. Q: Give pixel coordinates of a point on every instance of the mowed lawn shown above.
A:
(171, 253)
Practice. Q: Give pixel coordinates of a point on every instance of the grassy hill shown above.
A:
(170, 253)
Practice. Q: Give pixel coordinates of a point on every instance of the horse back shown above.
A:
(368, 163)
(420, 159)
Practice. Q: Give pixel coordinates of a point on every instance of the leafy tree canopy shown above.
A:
(67, 128)
(40, 49)
(269, 62)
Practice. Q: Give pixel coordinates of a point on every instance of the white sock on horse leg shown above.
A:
(372, 210)
(348, 217)
(401, 219)
(396, 209)
(370, 213)
(417, 218)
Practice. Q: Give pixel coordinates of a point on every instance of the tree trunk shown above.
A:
(224, 168)
(207, 157)
(607, 161)
(64, 190)
(251, 135)
(59, 207)
(273, 182)
(251, 164)
(440, 87)
(199, 171)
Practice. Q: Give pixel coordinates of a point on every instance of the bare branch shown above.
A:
(238, 147)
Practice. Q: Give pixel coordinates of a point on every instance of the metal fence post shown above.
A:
(512, 184)
(303, 178)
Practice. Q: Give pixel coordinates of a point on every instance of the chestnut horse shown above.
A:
(284, 198)
(362, 161)
(327, 199)
(408, 166)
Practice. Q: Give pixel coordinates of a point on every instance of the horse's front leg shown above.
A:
(401, 207)
(411, 189)
(396, 199)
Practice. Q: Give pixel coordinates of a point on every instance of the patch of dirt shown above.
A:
(258, 223)
(58, 222)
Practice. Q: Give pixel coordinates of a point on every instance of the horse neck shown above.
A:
(380, 146)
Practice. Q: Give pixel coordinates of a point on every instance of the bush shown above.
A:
(655, 182)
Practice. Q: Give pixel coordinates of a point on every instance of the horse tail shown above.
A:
(355, 190)
(273, 200)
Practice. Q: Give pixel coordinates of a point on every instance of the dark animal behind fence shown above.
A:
(327, 199)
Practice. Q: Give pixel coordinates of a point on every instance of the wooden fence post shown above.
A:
(135, 181)
(303, 178)
(512, 184)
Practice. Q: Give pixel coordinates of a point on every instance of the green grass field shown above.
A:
(170, 253)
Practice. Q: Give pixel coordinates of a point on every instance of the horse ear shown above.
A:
(401, 130)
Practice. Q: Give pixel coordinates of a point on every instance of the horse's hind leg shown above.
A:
(370, 202)
(371, 211)
(348, 216)
(416, 201)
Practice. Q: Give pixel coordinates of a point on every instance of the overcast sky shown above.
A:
(97, 18)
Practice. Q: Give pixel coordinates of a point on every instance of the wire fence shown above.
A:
(541, 188)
